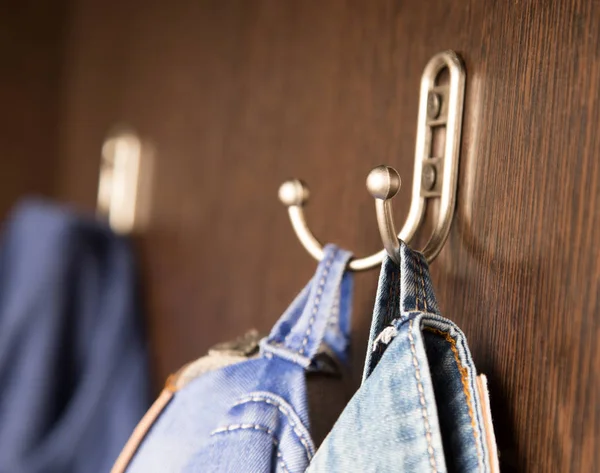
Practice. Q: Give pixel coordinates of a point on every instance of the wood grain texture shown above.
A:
(31, 49)
(239, 95)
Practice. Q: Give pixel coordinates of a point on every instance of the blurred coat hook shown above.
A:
(124, 187)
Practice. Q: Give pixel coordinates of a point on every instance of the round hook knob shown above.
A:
(383, 182)
(293, 192)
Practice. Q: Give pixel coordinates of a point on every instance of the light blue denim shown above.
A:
(418, 409)
(252, 416)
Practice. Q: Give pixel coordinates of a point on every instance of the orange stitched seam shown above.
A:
(464, 374)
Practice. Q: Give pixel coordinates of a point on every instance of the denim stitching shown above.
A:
(260, 428)
(286, 412)
(281, 460)
(388, 316)
(315, 309)
(396, 302)
(233, 427)
(416, 287)
(464, 375)
(333, 322)
(422, 398)
(422, 283)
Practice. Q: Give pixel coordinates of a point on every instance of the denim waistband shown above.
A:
(402, 289)
(421, 406)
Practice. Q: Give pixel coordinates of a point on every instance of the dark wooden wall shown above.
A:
(31, 67)
(238, 95)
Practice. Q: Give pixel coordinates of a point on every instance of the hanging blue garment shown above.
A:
(422, 407)
(239, 411)
(73, 365)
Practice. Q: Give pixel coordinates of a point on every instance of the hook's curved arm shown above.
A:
(383, 183)
(294, 194)
(434, 176)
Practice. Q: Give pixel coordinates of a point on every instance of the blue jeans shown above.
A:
(252, 415)
(421, 406)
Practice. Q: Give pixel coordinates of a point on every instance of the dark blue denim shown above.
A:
(421, 406)
(73, 364)
(252, 416)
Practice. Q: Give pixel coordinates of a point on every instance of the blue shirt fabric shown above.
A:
(252, 416)
(73, 365)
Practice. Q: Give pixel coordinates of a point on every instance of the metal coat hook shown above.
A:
(440, 107)
(125, 181)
